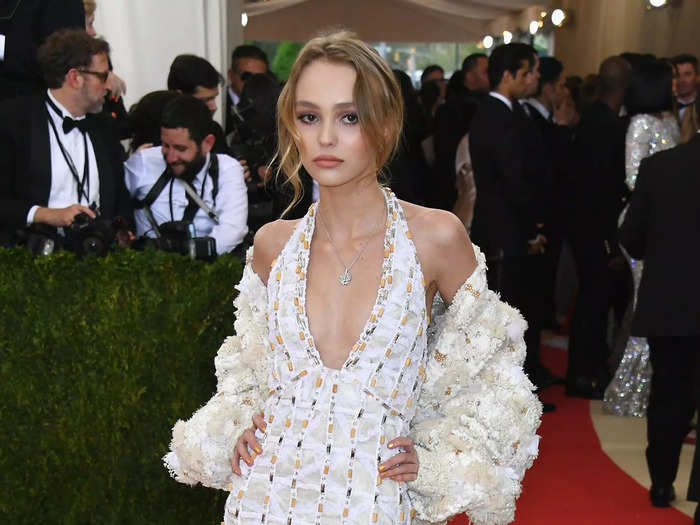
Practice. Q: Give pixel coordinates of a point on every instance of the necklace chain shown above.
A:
(346, 277)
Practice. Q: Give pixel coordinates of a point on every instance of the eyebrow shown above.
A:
(340, 105)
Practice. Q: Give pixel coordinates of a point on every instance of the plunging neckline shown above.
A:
(382, 290)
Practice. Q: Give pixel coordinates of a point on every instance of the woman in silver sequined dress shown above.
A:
(652, 128)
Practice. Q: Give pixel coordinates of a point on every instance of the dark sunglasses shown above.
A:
(102, 75)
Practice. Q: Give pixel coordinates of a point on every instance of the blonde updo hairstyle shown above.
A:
(376, 95)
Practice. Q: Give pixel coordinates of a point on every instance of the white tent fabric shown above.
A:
(386, 20)
(146, 36)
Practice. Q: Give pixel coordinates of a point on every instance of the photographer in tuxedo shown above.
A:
(660, 227)
(56, 160)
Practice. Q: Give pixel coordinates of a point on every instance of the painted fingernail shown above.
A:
(390, 445)
(258, 450)
(382, 468)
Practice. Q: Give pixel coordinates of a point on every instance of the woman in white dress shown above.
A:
(374, 378)
(653, 127)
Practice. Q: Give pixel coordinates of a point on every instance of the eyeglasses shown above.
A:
(102, 75)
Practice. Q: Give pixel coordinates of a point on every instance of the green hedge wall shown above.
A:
(98, 359)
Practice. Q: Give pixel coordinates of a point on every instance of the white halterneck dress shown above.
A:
(455, 386)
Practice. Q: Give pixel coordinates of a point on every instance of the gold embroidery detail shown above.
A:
(408, 362)
(472, 291)
(439, 357)
(325, 469)
(288, 423)
(448, 391)
(388, 352)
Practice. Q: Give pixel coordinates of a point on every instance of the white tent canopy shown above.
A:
(387, 20)
(147, 35)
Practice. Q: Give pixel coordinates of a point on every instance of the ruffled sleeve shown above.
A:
(475, 429)
(202, 447)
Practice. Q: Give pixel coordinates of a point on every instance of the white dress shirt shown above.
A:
(143, 169)
(64, 188)
(504, 99)
(234, 98)
(541, 108)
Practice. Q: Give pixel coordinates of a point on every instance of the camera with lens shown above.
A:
(87, 237)
(91, 237)
(180, 237)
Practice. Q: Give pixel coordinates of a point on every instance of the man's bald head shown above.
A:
(614, 76)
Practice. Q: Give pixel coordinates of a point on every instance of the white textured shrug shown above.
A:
(475, 425)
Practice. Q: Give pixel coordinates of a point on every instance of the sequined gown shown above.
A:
(628, 392)
(455, 385)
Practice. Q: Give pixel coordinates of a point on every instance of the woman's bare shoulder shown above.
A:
(443, 246)
(268, 243)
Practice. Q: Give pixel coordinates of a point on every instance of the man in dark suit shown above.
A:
(24, 26)
(56, 161)
(452, 121)
(246, 60)
(508, 187)
(598, 165)
(661, 227)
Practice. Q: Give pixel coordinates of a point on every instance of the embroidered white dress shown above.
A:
(466, 402)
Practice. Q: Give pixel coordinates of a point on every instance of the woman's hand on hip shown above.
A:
(247, 446)
(402, 466)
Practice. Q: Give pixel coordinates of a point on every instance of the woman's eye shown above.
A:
(307, 118)
(351, 118)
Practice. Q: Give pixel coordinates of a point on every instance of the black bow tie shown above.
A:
(69, 124)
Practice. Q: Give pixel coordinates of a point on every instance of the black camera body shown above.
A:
(90, 237)
(179, 237)
(87, 237)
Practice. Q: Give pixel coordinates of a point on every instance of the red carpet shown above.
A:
(573, 482)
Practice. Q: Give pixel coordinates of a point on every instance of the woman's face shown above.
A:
(333, 148)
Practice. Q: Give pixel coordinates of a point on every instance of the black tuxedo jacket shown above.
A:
(598, 168)
(452, 121)
(556, 143)
(662, 227)
(504, 213)
(26, 24)
(25, 165)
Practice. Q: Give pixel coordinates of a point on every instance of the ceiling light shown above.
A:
(558, 17)
(244, 19)
(657, 3)
(488, 41)
(507, 37)
(534, 26)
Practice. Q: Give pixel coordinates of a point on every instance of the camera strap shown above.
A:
(194, 201)
(192, 205)
(85, 181)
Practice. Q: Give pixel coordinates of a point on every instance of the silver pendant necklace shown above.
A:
(345, 278)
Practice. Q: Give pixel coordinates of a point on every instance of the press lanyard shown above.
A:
(85, 182)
